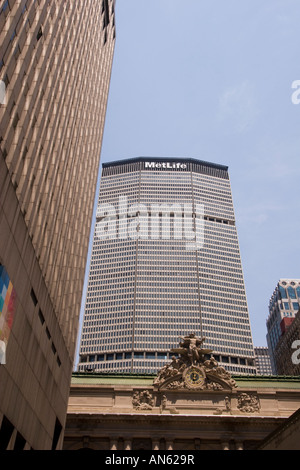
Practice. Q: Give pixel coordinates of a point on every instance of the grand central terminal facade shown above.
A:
(191, 404)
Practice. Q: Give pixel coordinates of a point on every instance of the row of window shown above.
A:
(148, 368)
(42, 320)
(289, 292)
(116, 341)
(18, 442)
(155, 356)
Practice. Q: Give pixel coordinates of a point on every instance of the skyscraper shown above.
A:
(55, 66)
(165, 263)
(283, 307)
(287, 352)
(262, 360)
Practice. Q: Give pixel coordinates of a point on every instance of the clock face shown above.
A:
(194, 377)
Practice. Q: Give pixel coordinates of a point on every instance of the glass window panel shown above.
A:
(291, 292)
(282, 292)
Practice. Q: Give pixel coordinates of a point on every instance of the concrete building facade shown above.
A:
(165, 262)
(192, 403)
(262, 360)
(55, 67)
(126, 412)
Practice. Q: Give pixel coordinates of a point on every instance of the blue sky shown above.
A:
(213, 81)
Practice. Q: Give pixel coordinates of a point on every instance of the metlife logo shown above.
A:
(165, 166)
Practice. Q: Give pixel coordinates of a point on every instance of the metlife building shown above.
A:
(165, 263)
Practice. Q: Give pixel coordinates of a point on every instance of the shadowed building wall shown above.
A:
(55, 62)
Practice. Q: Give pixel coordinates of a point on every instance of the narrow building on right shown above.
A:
(287, 351)
(283, 307)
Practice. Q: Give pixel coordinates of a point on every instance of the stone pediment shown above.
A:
(191, 370)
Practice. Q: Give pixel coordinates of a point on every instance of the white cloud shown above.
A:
(238, 107)
(259, 213)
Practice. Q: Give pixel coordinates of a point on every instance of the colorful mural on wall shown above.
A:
(7, 310)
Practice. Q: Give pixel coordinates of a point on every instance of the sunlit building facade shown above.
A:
(165, 262)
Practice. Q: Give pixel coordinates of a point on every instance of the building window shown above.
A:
(282, 292)
(291, 292)
(39, 34)
(56, 434)
(6, 431)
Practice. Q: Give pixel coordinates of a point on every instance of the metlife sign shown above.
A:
(165, 166)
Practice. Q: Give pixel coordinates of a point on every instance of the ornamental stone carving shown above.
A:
(248, 403)
(191, 370)
(142, 400)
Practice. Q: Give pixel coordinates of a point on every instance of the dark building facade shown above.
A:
(283, 307)
(287, 351)
(55, 66)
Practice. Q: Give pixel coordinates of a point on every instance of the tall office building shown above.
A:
(55, 66)
(283, 307)
(262, 360)
(165, 263)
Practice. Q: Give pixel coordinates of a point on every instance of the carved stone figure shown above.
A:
(191, 370)
(227, 404)
(248, 403)
(164, 402)
(211, 363)
(191, 348)
(142, 400)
